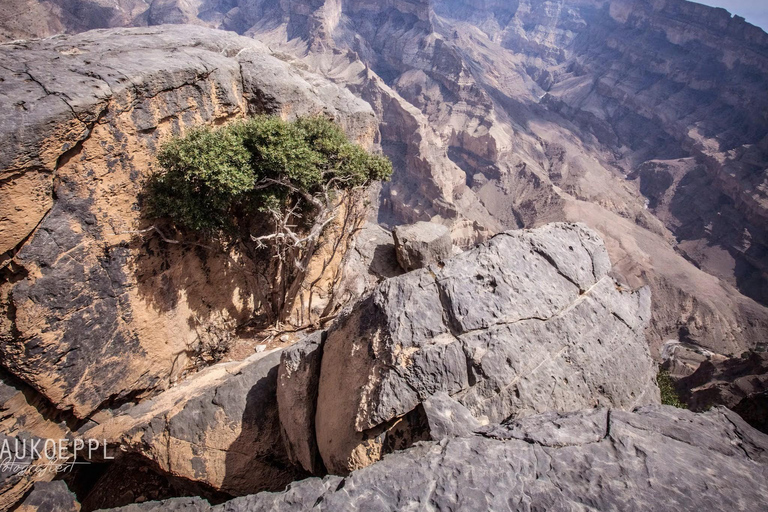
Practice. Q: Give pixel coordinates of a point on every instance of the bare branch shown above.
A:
(163, 237)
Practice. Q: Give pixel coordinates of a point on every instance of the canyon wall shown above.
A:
(645, 120)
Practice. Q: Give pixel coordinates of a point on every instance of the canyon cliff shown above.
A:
(646, 120)
(597, 173)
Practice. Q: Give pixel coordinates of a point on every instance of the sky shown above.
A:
(755, 11)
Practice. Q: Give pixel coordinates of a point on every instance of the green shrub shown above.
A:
(215, 180)
(669, 395)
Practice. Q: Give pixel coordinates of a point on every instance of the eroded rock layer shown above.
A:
(652, 459)
(644, 119)
(97, 307)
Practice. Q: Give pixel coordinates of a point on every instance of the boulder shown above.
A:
(657, 458)
(297, 380)
(95, 308)
(220, 428)
(422, 244)
(525, 323)
(448, 418)
(49, 497)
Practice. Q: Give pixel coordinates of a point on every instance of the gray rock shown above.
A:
(297, 380)
(220, 428)
(193, 504)
(422, 244)
(448, 418)
(50, 497)
(657, 458)
(528, 322)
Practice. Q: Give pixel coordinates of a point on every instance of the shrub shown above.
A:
(269, 183)
(669, 395)
(214, 180)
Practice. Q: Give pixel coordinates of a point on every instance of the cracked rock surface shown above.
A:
(656, 458)
(93, 314)
(527, 322)
(219, 428)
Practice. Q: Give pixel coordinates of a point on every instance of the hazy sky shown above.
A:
(755, 11)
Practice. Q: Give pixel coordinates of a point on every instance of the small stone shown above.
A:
(422, 244)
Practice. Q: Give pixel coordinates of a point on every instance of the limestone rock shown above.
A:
(220, 428)
(94, 314)
(50, 497)
(25, 417)
(297, 381)
(448, 418)
(422, 244)
(656, 458)
(527, 322)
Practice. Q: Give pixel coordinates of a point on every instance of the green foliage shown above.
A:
(216, 179)
(668, 394)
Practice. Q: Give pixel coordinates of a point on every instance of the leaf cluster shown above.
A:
(214, 180)
(669, 395)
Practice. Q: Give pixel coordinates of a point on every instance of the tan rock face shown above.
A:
(220, 428)
(95, 311)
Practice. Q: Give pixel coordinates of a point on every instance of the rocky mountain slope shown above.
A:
(646, 120)
(507, 122)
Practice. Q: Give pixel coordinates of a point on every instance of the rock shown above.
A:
(220, 428)
(422, 244)
(656, 458)
(93, 313)
(50, 497)
(739, 383)
(193, 504)
(525, 323)
(371, 260)
(297, 380)
(448, 418)
(26, 417)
